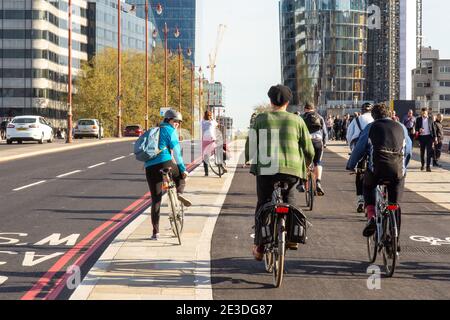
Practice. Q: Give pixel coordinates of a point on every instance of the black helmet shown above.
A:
(172, 114)
(366, 107)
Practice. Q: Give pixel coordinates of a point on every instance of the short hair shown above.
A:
(309, 106)
(424, 109)
(207, 116)
(380, 111)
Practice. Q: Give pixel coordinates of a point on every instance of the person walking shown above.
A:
(330, 127)
(440, 139)
(291, 151)
(345, 124)
(209, 137)
(168, 144)
(409, 121)
(427, 135)
(337, 128)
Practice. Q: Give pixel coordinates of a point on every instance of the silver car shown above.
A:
(87, 128)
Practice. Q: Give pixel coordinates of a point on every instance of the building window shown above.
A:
(444, 83)
(420, 85)
(444, 97)
(444, 69)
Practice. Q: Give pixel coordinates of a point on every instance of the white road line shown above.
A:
(131, 154)
(116, 159)
(68, 174)
(97, 165)
(30, 185)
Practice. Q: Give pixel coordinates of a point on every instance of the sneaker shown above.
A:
(184, 201)
(428, 169)
(258, 252)
(301, 188)
(155, 237)
(360, 204)
(370, 228)
(422, 168)
(224, 170)
(319, 190)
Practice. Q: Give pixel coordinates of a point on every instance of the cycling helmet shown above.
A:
(172, 114)
(366, 107)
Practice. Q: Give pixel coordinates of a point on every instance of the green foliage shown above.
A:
(96, 89)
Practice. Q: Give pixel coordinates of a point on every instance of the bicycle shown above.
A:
(216, 161)
(274, 252)
(310, 188)
(386, 236)
(176, 215)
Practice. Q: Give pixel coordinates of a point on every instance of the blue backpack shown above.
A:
(147, 146)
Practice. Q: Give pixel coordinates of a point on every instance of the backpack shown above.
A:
(313, 121)
(147, 146)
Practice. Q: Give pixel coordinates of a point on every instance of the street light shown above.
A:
(69, 89)
(176, 35)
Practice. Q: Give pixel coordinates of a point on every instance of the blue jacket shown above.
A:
(364, 147)
(168, 141)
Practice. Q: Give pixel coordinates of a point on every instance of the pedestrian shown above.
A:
(337, 128)
(345, 124)
(440, 139)
(3, 126)
(426, 132)
(394, 116)
(330, 127)
(409, 121)
(209, 137)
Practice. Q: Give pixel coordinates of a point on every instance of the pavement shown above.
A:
(135, 268)
(215, 261)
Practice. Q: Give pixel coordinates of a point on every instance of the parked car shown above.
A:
(29, 128)
(133, 131)
(87, 128)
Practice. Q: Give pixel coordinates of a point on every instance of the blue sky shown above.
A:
(249, 59)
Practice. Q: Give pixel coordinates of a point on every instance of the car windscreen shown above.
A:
(25, 120)
(132, 128)
(86, 123)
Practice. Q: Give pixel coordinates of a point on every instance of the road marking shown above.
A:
(119, 158)
(97, 165)
(30, 185)
(68, 174)
(131, 154)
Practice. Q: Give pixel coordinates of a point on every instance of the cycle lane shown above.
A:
(333, 265)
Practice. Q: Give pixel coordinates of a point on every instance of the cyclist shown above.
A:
(389, 149)
(285, 138)
(319, 136)
(354, 131)
(169, 144)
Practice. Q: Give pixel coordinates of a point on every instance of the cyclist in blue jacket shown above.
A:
(170, 157)
(389, 149)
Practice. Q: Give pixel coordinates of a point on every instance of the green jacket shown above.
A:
(289, 149)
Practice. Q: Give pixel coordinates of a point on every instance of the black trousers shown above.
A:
(359, 180)
(155, 181)
(264, 189)
(426, 143)
(395, 189)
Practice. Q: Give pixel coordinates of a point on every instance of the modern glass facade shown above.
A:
(34, 55)
(176, 13)
(103, 27)
(323, 50)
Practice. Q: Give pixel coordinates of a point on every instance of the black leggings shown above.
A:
(155, 180)
(395, 189)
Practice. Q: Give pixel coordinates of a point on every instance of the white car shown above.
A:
(29, 128)
(87, 128)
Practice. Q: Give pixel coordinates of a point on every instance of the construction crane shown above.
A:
(213, 55)
(419, 9)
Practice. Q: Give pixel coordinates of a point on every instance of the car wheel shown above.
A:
(42, 140)
(51, 139)
(19, 141)
(8, 141)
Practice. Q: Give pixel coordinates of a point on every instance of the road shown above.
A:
(333, 265)
(59, 207)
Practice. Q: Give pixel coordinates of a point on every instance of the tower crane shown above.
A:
(213, 55)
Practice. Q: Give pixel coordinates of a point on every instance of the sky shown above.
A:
(248, 61)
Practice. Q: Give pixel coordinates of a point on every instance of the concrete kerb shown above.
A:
(64, 148)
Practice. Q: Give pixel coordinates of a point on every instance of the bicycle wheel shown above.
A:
(390, 245)
(307, 196)
(215, 167)
(372, 247)
(174, 221)
(279, 251)
(311, 193)
(268, 260)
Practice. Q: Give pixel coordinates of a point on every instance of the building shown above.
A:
(34, 56)
(103, 27)
(392, 51)
(431, 82)
(214, 97)
(226, 126)
(177, 14)
(323, 50)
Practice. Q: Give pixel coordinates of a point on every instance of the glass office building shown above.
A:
(103, 27)
(323, 50)
(34, 56)
(176, 13)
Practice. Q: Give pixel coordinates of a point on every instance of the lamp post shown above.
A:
(69, 89)
(166, 53)
(119, 73)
